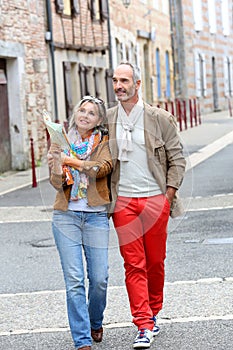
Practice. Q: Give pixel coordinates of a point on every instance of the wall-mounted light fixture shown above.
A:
(126, 3)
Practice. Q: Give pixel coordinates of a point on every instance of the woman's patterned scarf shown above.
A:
(82, 150)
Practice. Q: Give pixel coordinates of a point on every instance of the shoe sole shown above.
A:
(143, 346)
(156, 333)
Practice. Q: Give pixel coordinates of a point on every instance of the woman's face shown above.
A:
(87, 117)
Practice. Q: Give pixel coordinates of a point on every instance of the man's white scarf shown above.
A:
(128, 123)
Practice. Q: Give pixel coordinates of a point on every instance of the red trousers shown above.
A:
(141, 226)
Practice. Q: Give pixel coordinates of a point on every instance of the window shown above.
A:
(168, 80)
(97, 79)
(212, 16)
(200, 75)
(123, 52)
(68, 88)
(129, 50)
(99, 10)
(225, 17)
(158, 73)
(228, 76)
(67, 7)
(118, 51)
(197, 14)
(137, 54)
(83, 80)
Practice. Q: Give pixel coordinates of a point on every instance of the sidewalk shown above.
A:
(213, 127)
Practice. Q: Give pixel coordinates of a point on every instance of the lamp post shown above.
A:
(126, 3)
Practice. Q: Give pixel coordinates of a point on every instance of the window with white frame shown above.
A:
(228, 76)
(225, 17)
(197, 15)
(212, 16)
(200, 75)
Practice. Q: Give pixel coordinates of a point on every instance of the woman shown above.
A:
(80, 222)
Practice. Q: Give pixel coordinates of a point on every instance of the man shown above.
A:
(148, 168)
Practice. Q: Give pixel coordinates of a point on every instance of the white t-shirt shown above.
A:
(136, 179)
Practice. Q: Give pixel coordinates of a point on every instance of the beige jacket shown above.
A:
(97, 168)
(164, 152)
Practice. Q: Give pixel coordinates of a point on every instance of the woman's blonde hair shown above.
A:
(95, 100)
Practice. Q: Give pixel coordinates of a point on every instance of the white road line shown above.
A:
(32, 300)
(199, 281)
(121, 325)
(209, 150)
(213, 208)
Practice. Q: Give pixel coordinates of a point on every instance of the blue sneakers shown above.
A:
(156, 328)
(143, 339)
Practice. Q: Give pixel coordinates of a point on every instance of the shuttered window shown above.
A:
(59, 6)
(99, 10)
(109, 88)
(67, 7)
(228, 76)
(97, 79)
(68, 88)
(200, 75)
(103, 10)
(82, 79)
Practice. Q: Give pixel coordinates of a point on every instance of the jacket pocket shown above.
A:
(160, 153)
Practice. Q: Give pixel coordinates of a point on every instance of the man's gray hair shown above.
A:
(136, 70)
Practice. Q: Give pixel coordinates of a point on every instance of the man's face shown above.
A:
(123, 84)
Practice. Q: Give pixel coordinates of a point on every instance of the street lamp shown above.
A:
(126, 3)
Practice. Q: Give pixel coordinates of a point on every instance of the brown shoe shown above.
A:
(85, 348)
(97, 334)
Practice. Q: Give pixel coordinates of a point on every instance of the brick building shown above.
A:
(24, 80)
(52, 52)
(203, 51)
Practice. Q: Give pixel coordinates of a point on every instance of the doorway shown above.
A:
(5, 143)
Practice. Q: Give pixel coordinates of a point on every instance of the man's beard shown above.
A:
(126, 96)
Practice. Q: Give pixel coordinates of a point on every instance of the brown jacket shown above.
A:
(97, 168)
(164, 152)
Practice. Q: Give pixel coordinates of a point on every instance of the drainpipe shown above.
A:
(109, 38)
(49, 39)
(171, 9)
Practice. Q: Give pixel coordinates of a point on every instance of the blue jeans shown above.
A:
(75, 232)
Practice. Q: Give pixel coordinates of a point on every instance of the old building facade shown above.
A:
(141, 34)
(24, 87)
(52, 52)
(203, 50)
